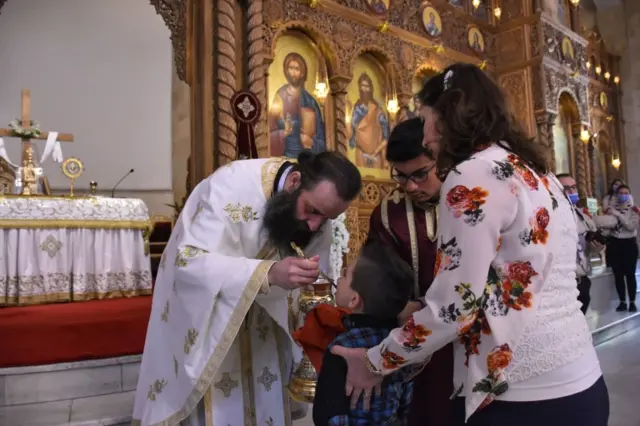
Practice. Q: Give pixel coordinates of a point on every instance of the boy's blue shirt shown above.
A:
(331, 406)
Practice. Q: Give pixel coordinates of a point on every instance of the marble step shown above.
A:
(88, 393)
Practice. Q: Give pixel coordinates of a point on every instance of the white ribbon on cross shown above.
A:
(52, 147)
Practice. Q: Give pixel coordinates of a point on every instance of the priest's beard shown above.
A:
(281, 223)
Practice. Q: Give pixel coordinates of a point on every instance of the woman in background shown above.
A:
(609, 200)
(623, 247)
(611, 196)
(505, 288)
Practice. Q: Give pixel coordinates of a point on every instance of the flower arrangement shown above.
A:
(339, 246)
(17, 130)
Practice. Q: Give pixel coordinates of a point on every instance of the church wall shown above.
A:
(630, 87)
(612, 25)
(180, 135)
(102, 71)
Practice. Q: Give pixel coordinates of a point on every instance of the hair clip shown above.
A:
(447, 80)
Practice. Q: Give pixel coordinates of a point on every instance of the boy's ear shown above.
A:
(355, 302)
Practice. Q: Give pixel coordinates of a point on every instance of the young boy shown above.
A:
(376, 288)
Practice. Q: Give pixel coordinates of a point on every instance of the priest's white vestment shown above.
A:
(218, 350)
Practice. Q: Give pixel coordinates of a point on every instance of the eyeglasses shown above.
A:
(417, 177)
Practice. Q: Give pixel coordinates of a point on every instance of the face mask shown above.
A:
(574, 198)
(623, 198)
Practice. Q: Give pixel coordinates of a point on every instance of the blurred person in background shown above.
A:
(589, 240)
(609, 200)
(623, 247)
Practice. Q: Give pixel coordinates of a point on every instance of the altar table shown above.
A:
(61, 249)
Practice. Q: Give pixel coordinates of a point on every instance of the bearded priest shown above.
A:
(218, 349)
(407, 220)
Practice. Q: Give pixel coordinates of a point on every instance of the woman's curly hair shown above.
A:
(472, 114)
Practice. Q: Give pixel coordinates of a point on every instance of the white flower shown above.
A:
(25, 132)
(339, 246)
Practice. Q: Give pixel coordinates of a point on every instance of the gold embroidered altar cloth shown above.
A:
(59, 249)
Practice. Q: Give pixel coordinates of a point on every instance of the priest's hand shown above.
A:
(408, 311)
(360, 381)
(293, 272)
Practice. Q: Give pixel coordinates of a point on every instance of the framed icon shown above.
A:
(604, 100)
(432, 21)
(378, 7)
(567, 49)
(476, 40)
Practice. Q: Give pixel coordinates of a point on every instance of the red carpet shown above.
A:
(50, 334)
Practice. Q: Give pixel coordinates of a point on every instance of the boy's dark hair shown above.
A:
(473, 113)
(623, 186)
(405, 142)
(564, 175)
(383, 280)
(331, 166)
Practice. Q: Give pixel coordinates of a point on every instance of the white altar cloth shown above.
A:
(58, 249)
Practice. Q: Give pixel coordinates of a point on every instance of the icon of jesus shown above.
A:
(295, 117)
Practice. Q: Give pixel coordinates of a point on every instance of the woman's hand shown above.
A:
(360, 381)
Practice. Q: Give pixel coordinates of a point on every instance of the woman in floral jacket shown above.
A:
(505, 289)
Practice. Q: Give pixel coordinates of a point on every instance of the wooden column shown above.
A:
(581, 176)
(200, 79)
(338, 86)
(592, 169)
(544, 123)
(258, 61)
(227, 61)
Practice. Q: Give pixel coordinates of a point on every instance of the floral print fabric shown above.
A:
(496, 244)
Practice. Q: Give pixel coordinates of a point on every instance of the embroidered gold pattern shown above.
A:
(267, 378)
(65, 287)
(413, 241)
(175, 365)
(51, 246)
(156, 388)
(269, 171)
(261, 325)
(226, 384)
(239, 213)
(163, 260)
(186, 253)
(190, 340)
(165, 312)
(215, 360)
(431, 220)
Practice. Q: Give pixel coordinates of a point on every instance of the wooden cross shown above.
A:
(25, 118)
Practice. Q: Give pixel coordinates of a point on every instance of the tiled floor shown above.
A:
(620, 362)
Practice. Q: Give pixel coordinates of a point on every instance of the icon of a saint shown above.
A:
(369, 127)
(431, 26)
(378, 7)
(476, 44)
(295, 117)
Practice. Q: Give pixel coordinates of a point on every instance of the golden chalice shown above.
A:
(302, 386)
